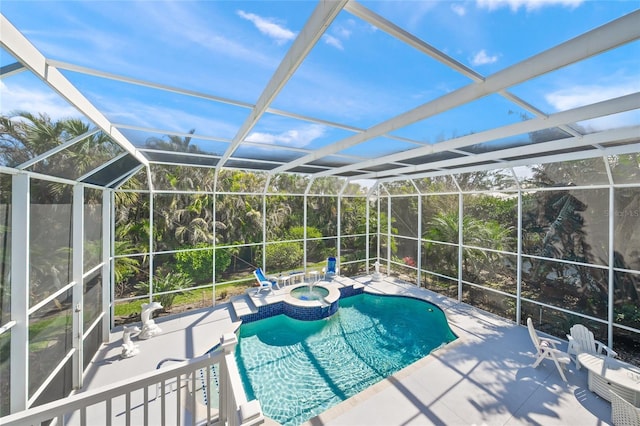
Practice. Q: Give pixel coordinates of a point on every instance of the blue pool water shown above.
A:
(299, 369)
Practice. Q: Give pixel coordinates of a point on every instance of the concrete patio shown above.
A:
(483, 378)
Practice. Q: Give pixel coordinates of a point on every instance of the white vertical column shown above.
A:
(419, 259)
(388, 234)
(518, 318)
(610, 300)
(108, 281)
(20, 214)
(460, 242)
(150, 180)
(339, 229)
(77, 250)
(264, 229)
(366, 231)
(305, 199)
(151, 245)
(214, 236)
(378, 224)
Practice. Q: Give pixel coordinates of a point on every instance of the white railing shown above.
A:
(175, 395)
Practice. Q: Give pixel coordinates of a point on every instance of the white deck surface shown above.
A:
(483, 378)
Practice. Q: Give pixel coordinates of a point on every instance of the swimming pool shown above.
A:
(299, 369)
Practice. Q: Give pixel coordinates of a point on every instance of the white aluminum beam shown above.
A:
(11, 69)
(21, 48)
(57, 149)
(599, 109)
(144, 83)
(616, 33)
(201, 95)
(413, 41)
(322, 16)
(609, 136)
(623, 134)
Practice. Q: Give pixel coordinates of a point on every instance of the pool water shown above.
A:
(299, 369)
(310, 293)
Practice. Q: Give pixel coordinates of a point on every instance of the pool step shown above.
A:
(243, 305)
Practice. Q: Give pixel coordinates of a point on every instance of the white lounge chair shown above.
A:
(263, 282)
(581, 340)
(623, 413)
(546, 349)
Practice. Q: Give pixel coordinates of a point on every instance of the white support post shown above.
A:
(77, 246)
(378, 224)
(108, 281)
(460, 241)
(419, 259)
(264, 229)
(305, 199)
(20, 215)
(112, 251)
(367, 235)
(228, 344)
(388, 234)
(151, 244)
(518, 318)
(611, 242)
(339, 230)
(216, 176)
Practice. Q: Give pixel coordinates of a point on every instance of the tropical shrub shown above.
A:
(198, 264)
(284, 255)
(163, 283)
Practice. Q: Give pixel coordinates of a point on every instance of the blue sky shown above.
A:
(357, 75)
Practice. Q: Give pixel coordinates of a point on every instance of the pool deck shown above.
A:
(483, 378)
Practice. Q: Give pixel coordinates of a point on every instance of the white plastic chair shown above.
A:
(581, 340)
(623, 413)
(546, 349)
(263, 282)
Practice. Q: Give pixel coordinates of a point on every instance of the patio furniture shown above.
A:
(608, 374)
(623, 413)
(314, 277)
(581, 340)
(283, 279)
(546, 349)
(331, 269)
(297, 276)
(263, 282)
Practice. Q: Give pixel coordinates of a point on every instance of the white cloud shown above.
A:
(298, 138)
(333, 41)
(268, 27)
(342, 31)
(576, 96)
(528, 5)
(339, 33)
(481, 58)
(18, 98)
(458, 9)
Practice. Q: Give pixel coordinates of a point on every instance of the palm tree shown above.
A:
(24, 136)
(174, 143)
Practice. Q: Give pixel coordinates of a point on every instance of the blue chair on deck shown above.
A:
(264, 283)
(331, 269)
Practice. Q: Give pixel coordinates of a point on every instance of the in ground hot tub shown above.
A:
(308, 292)
(311, 302)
